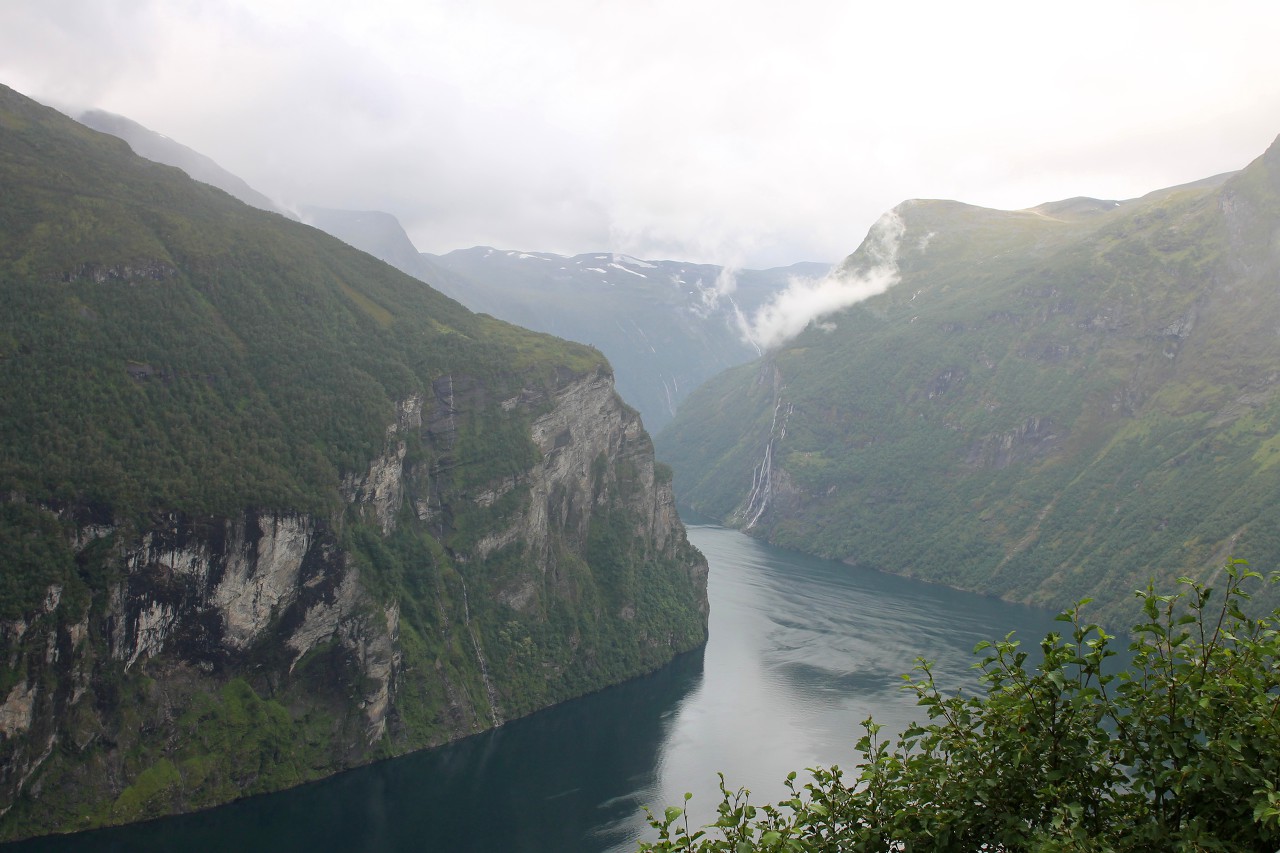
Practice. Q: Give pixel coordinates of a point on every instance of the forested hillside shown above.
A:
(269, 508)
(1051, 403)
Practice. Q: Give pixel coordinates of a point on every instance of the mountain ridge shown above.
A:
(700, 335)
(969, 425)
(161, 149)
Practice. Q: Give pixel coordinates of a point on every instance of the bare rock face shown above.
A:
(1034, 438)
(382, 487)
(17, 710)
(587, 423)
(303, 611)
(258, 582)
(211, 590)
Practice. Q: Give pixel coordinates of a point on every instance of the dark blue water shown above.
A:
(801, 651)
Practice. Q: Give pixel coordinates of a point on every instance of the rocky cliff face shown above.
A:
(286, 607)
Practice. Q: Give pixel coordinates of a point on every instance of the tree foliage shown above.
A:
(1179, 749)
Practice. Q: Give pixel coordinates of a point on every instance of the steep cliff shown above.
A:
(271, 509)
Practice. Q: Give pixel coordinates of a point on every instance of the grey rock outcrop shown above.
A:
(198, 601)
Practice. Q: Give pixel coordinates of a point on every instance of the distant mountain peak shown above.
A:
(663, 324)
(161, 149)
(374, 232)
(1077, 206)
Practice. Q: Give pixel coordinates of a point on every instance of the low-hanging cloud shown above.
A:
(710, 296)
(808, 300)
(558, 126)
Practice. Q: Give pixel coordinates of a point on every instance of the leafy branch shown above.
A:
(1179, 749)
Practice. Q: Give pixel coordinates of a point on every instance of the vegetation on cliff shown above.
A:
(166, 347)
(269, 508)
(1064, 750)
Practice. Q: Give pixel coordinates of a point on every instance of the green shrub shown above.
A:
(1178, 750)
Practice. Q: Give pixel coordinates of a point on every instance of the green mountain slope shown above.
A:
(269, 508)
(160, 148)
(1050, 404)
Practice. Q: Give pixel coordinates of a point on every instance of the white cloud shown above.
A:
(806, 301)
(744, 132)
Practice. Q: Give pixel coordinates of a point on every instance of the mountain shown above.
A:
(155, 146)
(1050, 404)
(666, 326)
(661, 324)
(373, 231)
(270, 508)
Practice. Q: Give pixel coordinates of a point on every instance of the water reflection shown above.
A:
(801, 651)
(566, 779)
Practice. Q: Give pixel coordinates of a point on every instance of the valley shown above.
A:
(284, 496)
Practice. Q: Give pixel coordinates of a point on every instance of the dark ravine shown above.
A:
(228, 570)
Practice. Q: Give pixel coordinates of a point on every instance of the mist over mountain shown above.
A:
(666, 326)
(155, 146)
(1048, 404)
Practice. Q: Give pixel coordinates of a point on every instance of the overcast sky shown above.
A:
(738, 132)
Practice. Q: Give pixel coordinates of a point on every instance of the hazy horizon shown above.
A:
(747, 135)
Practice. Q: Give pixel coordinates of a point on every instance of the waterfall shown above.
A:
(671, 403)
(452, 409)
(762, 475)
(494, 713)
